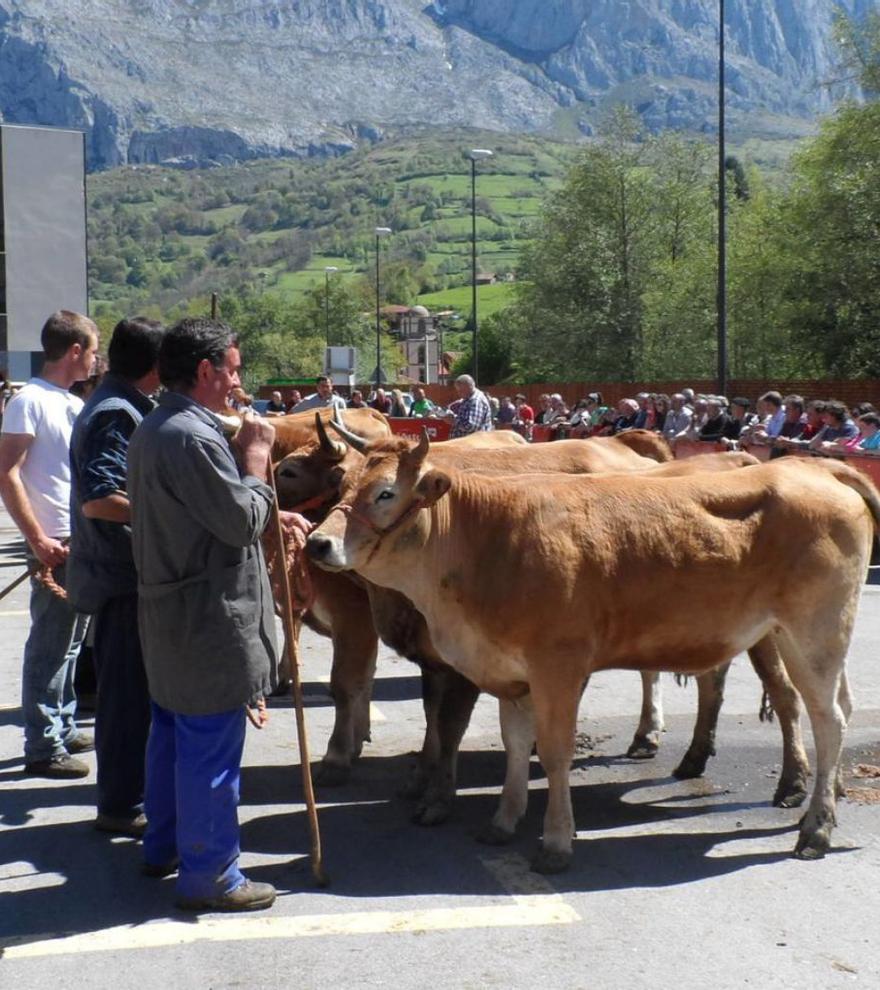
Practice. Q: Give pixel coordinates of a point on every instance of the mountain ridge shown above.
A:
(202, 81)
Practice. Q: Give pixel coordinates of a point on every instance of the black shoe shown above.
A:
(63, 767)
(160, 870)
(249, 896)
(122, 824)
(81, 743)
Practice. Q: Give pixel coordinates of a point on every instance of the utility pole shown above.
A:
(722, 213)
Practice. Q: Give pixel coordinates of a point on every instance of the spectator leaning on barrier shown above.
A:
(275, 406)
(544, 409)
(643, 399)
(713, 429)
(382, 402)
(524, 412)
(357, 400)
(506, 411)
(422, 405)
(35, 487)
(678, 420)
(869, 427)
(101, 576)
(660, 404)
(473, 412)
(321, 398)
(627, 410)
(295, 399)
(792, 427)
(838, 426)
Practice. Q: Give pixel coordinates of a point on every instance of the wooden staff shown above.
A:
(291, 635)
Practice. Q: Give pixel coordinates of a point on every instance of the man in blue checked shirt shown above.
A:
(102, 580)
(471, 413)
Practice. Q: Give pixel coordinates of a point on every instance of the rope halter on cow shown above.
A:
(380, 531)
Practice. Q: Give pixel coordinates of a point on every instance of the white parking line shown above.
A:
(17, 612)
(533, 903)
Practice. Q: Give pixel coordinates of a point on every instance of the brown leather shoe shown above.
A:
(249, 896)
(122, 825)
(81, 743)
(63, 767)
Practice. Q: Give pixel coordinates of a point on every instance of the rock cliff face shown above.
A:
(197, 80)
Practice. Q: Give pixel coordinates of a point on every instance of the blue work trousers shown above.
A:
(122, 708)
(191, 798)
(48, 701)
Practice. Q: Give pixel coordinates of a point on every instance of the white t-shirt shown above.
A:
(45, 412)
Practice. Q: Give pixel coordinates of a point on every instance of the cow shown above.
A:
(448, 697)
(436, 536)
(297, 430)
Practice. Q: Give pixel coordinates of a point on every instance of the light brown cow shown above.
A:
(297, 430)
(435, 535)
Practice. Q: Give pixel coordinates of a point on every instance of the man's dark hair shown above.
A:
(323, 378)
(837, 409)
(861, 408)
(743, 403)
(134, 347)
(818, 406)
(64, 329)
(187, 344)
(870, 417)
(795, 400)
(774, 398)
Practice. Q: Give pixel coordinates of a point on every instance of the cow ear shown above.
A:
(432, 486)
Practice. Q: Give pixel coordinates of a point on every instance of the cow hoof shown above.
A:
(643, 748)
(413, 787)
(547, 861)
(813, 844)
(493, 835)
(790, 794)
(435, 813)
(333, 775)
(690, 768)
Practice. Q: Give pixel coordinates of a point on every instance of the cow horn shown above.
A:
(352, 439)
(333, 449)
(424, 445)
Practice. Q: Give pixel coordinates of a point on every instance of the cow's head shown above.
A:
(310, 479)
(382, 501)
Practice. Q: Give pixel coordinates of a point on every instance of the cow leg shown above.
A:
(556, 708)
(817, 673)
(791, 791)
(433, 687)
(456, 705)
(646, 741)
(351, 685)
(518, 734)
(710, 695)
(844, 699)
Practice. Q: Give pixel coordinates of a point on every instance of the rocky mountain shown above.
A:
(222, 80)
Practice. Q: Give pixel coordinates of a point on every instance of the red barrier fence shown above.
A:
(411, 428)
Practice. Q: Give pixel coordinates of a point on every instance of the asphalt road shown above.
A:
(674, 884)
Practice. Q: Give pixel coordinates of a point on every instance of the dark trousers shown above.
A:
(193, 773)
(122, 708)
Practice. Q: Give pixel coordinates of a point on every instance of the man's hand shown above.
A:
(296, 527)
(49, 552)
(253, 445)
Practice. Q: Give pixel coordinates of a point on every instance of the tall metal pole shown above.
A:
(722, 214)
(378, 329)
(380, 232)
(475, 155)
(476, 346)
(327, 305)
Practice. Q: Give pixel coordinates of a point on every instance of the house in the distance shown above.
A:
(420, 336)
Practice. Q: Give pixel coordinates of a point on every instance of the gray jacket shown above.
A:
(205, 604)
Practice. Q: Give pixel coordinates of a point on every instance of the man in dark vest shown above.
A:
(102, 580)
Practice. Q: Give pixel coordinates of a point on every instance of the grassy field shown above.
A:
(490, 298)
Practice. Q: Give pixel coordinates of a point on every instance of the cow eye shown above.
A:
(384, 495)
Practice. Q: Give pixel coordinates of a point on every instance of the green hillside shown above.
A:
(162, 237)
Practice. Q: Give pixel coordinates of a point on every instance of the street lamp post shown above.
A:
(722, 214)
(327, 272)
(475, 155)
(380, 232)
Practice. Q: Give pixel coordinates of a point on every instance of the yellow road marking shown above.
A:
(534, 904)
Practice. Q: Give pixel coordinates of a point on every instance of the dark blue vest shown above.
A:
(100, 565)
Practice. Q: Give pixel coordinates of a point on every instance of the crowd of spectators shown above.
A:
(784, 423)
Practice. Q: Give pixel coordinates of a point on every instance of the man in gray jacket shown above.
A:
(199, 506)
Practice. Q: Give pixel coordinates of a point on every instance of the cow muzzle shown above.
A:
(326, 551)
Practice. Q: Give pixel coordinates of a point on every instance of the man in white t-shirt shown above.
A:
(35, 487)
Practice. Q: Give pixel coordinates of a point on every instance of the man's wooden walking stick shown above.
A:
(291, 635)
